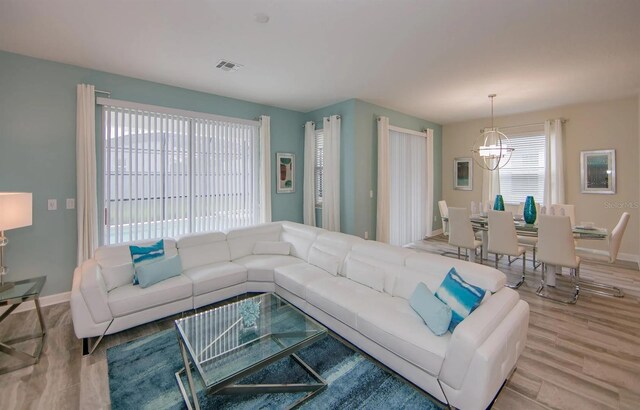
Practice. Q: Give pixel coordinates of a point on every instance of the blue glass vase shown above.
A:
(498, 204)
(530, 212)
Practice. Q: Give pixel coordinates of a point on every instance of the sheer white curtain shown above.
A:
(87, 193)
(430, 181)
(382, 216)
(554, 170)
(309, 191)
(331, 173)
(408, 187)
(265, 168)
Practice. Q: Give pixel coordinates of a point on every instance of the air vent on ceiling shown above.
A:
(226, 65)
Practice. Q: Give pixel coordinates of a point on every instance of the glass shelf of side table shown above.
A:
(23, 291)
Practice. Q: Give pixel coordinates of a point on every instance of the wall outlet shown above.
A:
(366, 234)
(71, 203)
(52, 204)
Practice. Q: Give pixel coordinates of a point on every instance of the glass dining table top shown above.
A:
(221, 344)
(482, 222)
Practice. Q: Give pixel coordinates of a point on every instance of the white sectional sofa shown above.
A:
(357, 288)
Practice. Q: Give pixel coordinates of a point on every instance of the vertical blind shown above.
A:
(407, 187)
(524, 173)
(169, 174)
(319, 157)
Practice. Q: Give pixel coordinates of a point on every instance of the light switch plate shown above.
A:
(71, 203)
(52, 204)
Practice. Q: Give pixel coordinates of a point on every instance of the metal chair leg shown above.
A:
(481, 258)
(458, 252)
(496, 261)
(543, 291)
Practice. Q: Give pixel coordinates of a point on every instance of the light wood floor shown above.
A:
(585, 356)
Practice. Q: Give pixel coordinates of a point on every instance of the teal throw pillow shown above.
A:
(152, 273)
(143, 255)
(462, 297)
(435, 314)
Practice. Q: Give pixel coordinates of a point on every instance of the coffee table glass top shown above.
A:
(223, 342)
(23, 289)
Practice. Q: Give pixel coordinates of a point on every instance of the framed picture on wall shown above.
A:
(285, 173)
(598, 171)
(463, 174)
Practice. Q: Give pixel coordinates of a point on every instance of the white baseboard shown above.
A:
(629, 257)
(44, 301)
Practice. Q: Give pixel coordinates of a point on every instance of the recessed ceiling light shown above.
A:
(262, 18)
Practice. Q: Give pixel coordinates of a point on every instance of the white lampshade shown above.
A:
(15, 210)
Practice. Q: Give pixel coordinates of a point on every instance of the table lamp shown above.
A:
(15, 212)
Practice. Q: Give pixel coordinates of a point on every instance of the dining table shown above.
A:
(480, 223)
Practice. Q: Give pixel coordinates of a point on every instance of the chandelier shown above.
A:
(491, 149)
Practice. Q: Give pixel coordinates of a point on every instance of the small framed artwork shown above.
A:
(463, 174)
(598, 171)
(285, 172)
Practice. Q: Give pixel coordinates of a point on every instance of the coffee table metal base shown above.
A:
(310, 388)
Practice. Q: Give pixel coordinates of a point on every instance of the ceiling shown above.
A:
(435, 59)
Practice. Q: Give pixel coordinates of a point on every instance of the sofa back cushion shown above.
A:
(272, 248)
(241, 241)
(336, 244)
(203, 249)
(324, 260)
(482, 276)
(386, 258)
(300, 236)
(366, 274)
(116, 265)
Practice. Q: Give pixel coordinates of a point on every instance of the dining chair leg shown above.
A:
(481, 258)
(458, 252)
(496, 261)
(544, 292)
(521, 282)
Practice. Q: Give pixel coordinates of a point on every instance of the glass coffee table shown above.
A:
(230, 342)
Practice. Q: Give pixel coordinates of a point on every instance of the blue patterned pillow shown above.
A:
(462, 297)
(143, 255)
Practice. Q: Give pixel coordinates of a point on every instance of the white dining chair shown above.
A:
(556, 247)
(444, 214)
(615, 240)
(563, 210)
(503, 240)
(530, 241)
(461, 232)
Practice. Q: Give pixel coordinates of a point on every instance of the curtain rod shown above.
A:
(564, 120)
(108, 93)
(305, 124)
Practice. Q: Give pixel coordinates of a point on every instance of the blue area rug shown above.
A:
(142, 376)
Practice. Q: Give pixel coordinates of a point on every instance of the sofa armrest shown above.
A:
(94, 291)
(472, 332)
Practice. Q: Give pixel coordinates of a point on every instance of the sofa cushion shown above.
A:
(216, 276)
(391, 323)
(482, 276)
(260, 267)
(365, 274)
(295, 278)
(115, 262)
(271, 248)
(151, 273)
(341, 298)
(336, 244)
(300, 236)
(203, 249)
(434, 312)
(324, 260)
(131, 299)
(242, 240)
(462, 297)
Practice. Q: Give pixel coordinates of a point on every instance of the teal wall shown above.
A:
(358, 162)
(37, 152)
(366, 161)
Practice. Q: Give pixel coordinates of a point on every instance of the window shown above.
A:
(524, 174)
(318, 169)
(169, 174)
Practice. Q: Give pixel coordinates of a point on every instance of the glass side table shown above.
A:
(23, 291)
